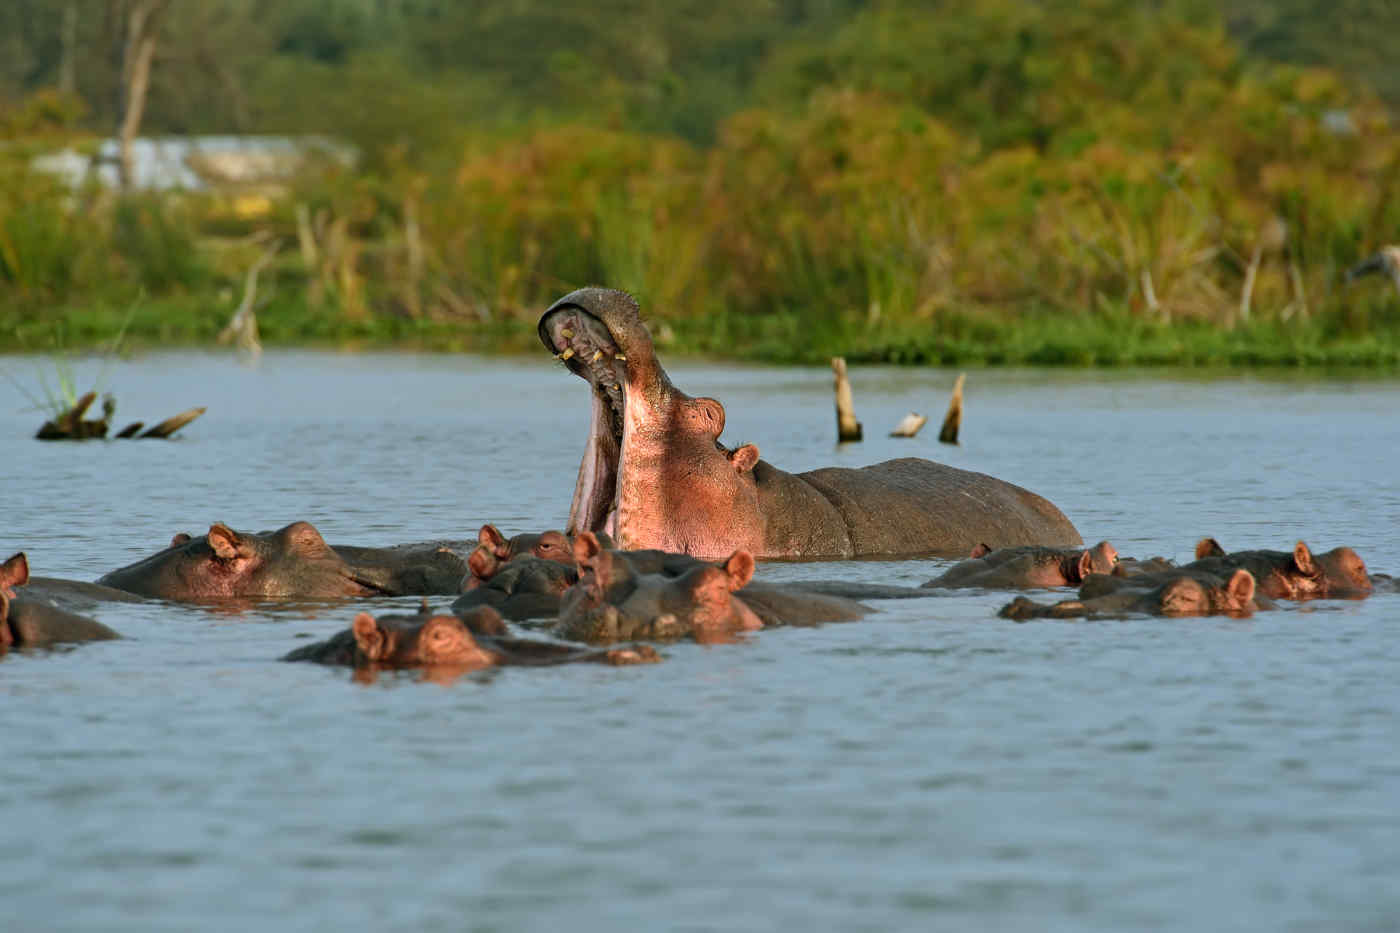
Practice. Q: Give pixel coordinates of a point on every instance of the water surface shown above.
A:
(933, 767)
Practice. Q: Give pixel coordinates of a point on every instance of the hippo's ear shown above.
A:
(586, 547)
(179, 539)
(303, 538)
(224, 540)
(1303, 558)
(1085, 565)
(490, 537)
(981, 550)
(14, 572)
(1209, 547)
(369, 638)
(1241, 588)
(739, 567)
(744, 458)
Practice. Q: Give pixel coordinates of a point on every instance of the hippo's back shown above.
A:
(915, 506)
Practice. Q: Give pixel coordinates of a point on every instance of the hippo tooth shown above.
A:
(567, 354)
(620, 357)
(597, 355)
(566, 333)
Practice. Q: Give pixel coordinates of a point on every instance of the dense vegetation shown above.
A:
(1061, 182)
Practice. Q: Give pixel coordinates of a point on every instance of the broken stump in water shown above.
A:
(948, 434)
(910, 425)
(70, 426)
(170, 425)
(847, 427)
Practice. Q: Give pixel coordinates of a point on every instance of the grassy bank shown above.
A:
(1367, 336)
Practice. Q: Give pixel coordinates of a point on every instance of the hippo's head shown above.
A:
(611, 602)
(294, 562)
(654, 473)
(1297, 574)
(424, 640)
(494, 550)
(1188, 595)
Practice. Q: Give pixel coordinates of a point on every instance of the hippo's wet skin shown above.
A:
(654, 474)
(294, 562)
(477, 640)
(1028, 566)
(29, 622)
(1177, 593)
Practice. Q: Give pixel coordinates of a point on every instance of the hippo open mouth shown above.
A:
(588, 347)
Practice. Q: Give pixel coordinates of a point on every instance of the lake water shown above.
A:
(932, 767)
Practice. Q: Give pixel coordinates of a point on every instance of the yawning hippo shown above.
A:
(654, 474)
(28, 622)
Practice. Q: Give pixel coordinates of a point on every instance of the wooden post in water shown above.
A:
(948, 434)
(847, 427)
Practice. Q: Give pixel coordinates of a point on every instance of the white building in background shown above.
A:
(199, 163)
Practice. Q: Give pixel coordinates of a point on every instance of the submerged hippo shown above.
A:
(1180, 593)
(1298, 574)
(1030, 566)
(28, 622)
(526, 587)
(494, 550)
(429, 639)
(613, 603)
(654, 474)
(655, 595)
(294, 562)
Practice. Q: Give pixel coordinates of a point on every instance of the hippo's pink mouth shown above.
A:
(586, 346)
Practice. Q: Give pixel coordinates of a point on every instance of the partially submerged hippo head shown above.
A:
(294, 562)
(29, 622)
(1297, 574)
(397, 641)
(494, 549)
(654, 473)
(1177, 594)
(611, 602)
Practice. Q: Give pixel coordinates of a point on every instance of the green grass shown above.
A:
(1035, 337)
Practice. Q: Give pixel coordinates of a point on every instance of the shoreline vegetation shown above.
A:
(1110, 183)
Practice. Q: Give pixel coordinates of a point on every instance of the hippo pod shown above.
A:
(477, 640)
(27, 622)
(294, 562)
(1176, 593)
(655, 475)
(1027, 566)
(1295, 575)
